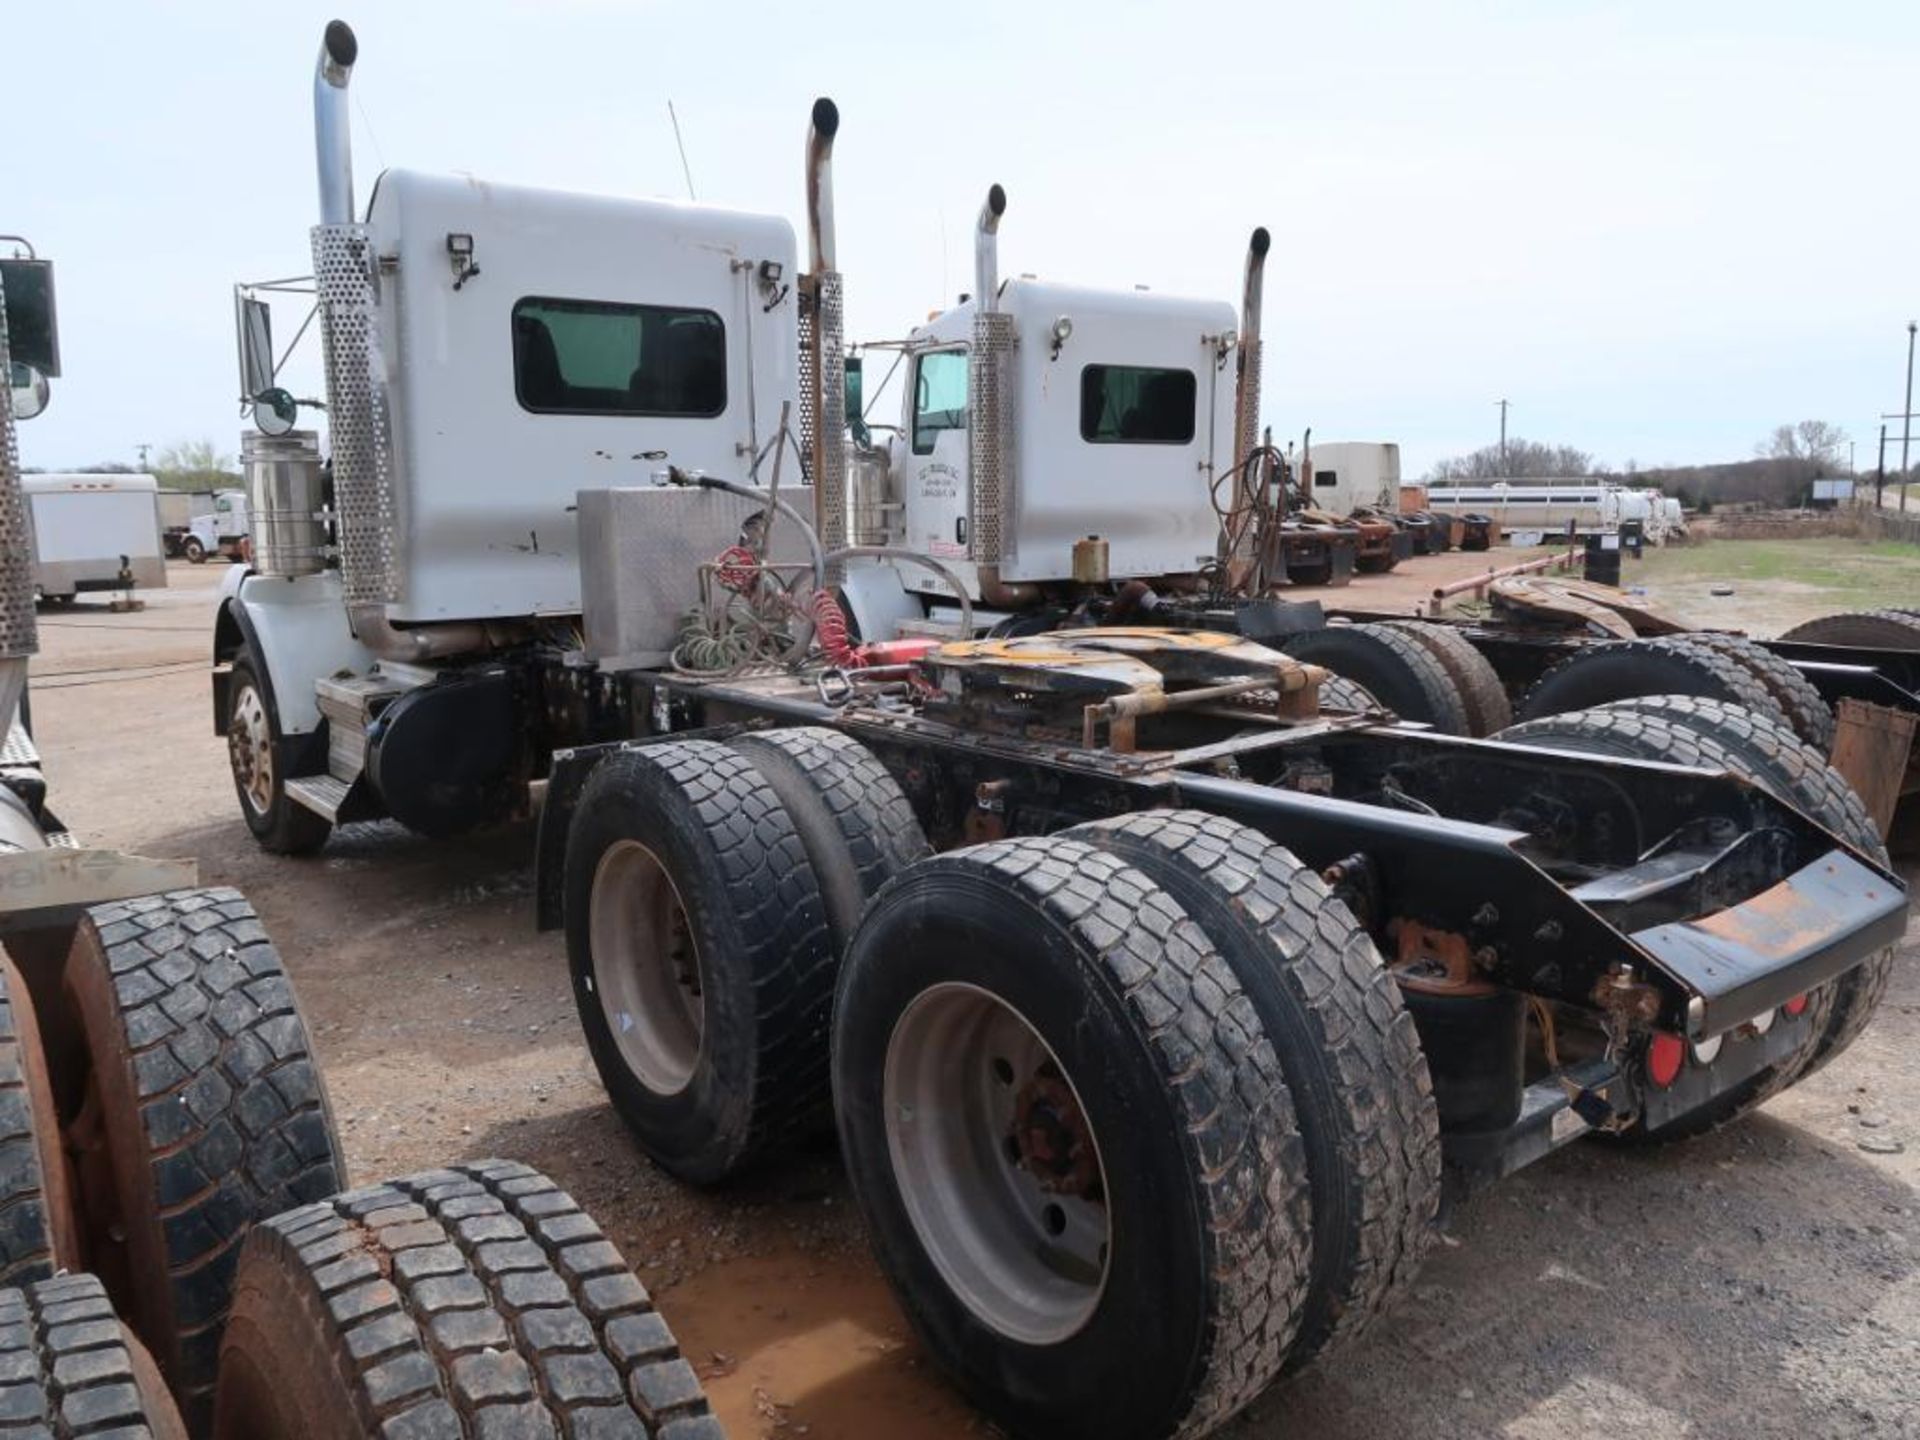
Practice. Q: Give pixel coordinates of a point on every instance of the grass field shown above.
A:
(1777, 583)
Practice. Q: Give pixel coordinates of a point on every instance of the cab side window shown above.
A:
(939, 396)
(1136, 405)
(593, 357)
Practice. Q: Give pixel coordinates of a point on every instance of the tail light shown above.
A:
(1705, 1052)
(1665, 1055)
(1797, 1006)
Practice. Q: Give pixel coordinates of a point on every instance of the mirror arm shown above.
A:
(287, 354)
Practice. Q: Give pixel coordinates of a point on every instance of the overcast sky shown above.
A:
(1659, 229)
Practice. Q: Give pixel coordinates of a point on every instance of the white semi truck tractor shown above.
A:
(1154, 980)
(418, 631)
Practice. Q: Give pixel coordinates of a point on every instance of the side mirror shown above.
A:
(275, 411)
(253, 325)
(33, 324)
(855, 398)
(31, 391)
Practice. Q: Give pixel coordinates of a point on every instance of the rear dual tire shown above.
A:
(1072, 1142)
(1622, 669)
(1895, 628)
(1396, 668)
(1346, 1045)
(709, 891)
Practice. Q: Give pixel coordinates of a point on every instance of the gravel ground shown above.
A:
(1761, 1282)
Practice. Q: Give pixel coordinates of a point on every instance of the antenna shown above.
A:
(685, 168)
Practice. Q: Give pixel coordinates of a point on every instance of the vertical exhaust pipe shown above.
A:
(332, 134)
(986, 251)
(823, 356)
(1246, 419)
(821, 254)
(1246, 389)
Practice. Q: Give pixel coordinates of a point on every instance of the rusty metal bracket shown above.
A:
(40, 887)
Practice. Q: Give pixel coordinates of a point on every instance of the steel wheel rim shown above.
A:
(646, 968)
(250, 749)
(968, 1081)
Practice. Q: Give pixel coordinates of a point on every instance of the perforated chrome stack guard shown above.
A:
(363, 492)
(1245, 440)
(823, 407)
(19, 633)
(990, 420)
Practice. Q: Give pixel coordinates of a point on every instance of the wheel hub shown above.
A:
(250, 749)
(1056, 1146)
(996, 1163)
(646, 968)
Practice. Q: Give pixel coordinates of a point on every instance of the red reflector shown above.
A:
(1797, 1005)
(1665, 1055)
(895, 652)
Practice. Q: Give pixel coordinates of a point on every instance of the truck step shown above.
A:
(350, 704)
(19, 749)
(323, 794)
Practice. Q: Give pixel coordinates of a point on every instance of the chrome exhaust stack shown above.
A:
(344, 280)
(332, 130)
(820, 236)
(1246, 390)
(1246, 418)
(823, 351)
(986, 250)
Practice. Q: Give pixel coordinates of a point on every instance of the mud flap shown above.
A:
(1873, 751)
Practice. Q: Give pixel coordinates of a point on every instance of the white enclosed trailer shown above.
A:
(94, 532)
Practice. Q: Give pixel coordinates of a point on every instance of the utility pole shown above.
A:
(1503, 422)
(1906, 417)
(1880, 472)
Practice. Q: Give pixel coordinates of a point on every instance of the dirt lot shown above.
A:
(1763, 1282)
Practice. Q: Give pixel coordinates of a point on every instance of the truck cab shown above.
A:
(1120, 425)
(534, 343)
(491, 352)
(222, 531)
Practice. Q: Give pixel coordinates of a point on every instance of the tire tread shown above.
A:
(481, 1295)
(234, 1122)
(1351, 1056)
(69, 1366)
(1223, 1078)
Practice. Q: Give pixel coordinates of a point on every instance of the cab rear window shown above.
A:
(1136, 405)
(596, 357)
